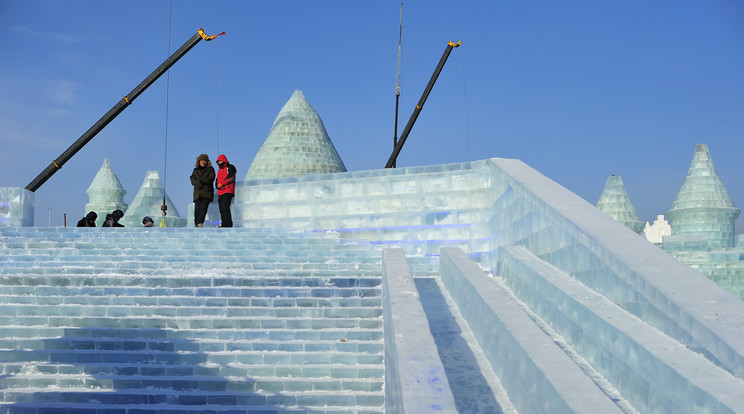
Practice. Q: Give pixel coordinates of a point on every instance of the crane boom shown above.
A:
(417, 110)
(116, 110)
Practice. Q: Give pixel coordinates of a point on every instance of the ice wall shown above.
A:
(16, 207)
(484, 205)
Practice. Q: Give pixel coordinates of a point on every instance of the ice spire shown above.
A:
(615, 202)
(703, 205)
(147, 202)
(105, 193)
(298, 144)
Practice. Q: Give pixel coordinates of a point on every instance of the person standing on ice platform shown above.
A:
(202, 179)
(225, 189)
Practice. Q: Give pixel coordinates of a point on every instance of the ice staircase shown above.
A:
(189, 320)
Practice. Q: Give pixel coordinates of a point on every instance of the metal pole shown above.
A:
(113, 112)
(417, 110)
(397, 80)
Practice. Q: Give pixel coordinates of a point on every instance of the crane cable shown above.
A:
(465, 92)
(164, 207)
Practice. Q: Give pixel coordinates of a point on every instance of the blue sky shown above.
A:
(579, 90)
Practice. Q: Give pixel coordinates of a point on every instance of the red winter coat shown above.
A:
(225, 177)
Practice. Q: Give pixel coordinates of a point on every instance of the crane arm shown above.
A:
(116, 110)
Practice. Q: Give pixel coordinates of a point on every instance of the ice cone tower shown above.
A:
(615, 202)
(298, 144)
(148, 201)
(703, 205)
(105, 193)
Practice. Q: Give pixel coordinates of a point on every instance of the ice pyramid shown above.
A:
(148, 201)
(703, 205)
(298, 144)
(615, 202)
(105, 193)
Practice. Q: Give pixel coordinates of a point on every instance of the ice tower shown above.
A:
(298, 144)
(105, 193)
(703, 206)
(615, 202)
(148, 201)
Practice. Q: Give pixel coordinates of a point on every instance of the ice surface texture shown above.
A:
(16, 207)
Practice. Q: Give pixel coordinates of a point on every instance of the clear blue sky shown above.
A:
(579, 90)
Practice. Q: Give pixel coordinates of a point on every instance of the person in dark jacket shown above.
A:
(112, 220)
(225, 184)
(202, 179)
(89, 220)
(147, 221)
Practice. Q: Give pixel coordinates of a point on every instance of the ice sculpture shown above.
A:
(148, 201)
(298, 144)
(16, 207)
(615, 202)
(703, 206)
(105, 193)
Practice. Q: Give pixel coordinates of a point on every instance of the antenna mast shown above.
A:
(397, 80)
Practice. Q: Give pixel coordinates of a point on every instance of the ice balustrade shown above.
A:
(415, 378)
(109, 318)
(649, 369)
(537, 374)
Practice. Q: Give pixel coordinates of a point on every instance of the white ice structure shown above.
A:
(105, 193)
(148, 202)
(535, 301)
(655, 232)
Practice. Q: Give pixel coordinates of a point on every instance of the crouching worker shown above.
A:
(147, 222)
(112, 220)
(202, 179)
(225, 189)
(89, 220)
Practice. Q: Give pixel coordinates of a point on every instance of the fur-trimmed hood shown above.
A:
(203, 157)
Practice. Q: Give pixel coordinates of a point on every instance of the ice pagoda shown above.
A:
(615, 202)
(703, 206)
(148, 201)
(105, 193)
(298, 144)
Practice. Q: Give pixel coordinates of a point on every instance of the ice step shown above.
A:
(83, 400)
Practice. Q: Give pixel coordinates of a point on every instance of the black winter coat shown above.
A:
(203, 180)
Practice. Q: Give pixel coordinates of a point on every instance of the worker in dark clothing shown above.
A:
(202, 179)
(225, 189)
(112, 220)
(89, 220)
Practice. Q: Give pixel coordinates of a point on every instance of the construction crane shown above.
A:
(116, 110)
(417, 110)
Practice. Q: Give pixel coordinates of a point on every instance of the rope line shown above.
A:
(167, 103)
(465, 92)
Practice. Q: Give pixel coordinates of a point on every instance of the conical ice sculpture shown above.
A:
(148, 202)
(615, 202)
(298, 144)
(703, 205)
(105, 193)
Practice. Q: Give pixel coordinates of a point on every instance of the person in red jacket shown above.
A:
(225, 184)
